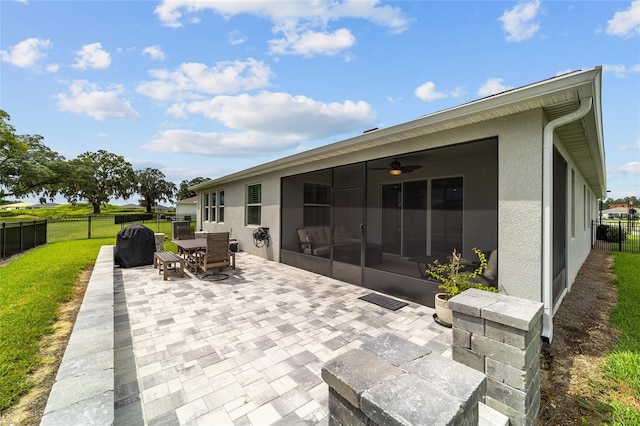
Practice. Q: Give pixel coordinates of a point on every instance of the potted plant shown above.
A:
(454, 280)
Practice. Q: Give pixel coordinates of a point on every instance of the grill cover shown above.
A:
(135, 246)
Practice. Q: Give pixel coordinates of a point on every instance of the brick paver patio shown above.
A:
(244, 351)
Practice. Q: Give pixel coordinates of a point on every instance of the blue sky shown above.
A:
(198, 88)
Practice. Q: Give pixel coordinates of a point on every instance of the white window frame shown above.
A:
(254, 204)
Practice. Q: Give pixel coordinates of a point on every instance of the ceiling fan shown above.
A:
(396, 168)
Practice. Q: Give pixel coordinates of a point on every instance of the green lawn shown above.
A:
(100, 228)
(622, 366)
(31, 289)
(68, 222)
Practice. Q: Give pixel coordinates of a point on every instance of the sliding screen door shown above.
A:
(414, 219)
(392, 218)
(446, 216)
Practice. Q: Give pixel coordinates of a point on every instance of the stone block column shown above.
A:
(159, 241)
(499, 335)
(392, 381)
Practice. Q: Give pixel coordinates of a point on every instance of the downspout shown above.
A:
(547, 207)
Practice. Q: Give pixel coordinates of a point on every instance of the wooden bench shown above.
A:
(165, 259)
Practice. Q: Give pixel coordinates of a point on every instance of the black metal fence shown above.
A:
(621, 236)
(16, 237)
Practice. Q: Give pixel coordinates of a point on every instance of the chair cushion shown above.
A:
(492, 266)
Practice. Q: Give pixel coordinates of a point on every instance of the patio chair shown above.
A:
(185, 233)
(216, 256)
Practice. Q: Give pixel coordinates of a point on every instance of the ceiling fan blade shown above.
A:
(410, 168)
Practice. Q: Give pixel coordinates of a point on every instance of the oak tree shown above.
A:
(153, 187)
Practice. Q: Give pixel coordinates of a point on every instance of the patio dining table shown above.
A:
(189, 247)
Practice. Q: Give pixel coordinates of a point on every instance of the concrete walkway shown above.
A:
(244, 351)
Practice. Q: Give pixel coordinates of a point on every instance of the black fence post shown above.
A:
(89, 227)
(3, 249)
(619, 235)
(21, 237)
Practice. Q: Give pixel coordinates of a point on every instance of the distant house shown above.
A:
(158, 208)
(132, 206)
(187, 209)
(616, 213)
(43, 206)
(520, 172)
(16, 206)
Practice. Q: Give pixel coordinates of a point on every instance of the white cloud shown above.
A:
(192, 80)
(236, 38)
(92, 56)
(624, 173)
(625, 23)
(632, 168)
(621, 71)
(89, 99)
(519, 23)
(155, 52)
(427, 92)
(635, 145)
(299, 117)
(214, 144)
(27, 53)
(262, 124)
(304, 24)
(492, 86)
(313, 43)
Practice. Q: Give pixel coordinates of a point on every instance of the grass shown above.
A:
(69, 222)
(622, 365)
(31, 289)
(100, 228)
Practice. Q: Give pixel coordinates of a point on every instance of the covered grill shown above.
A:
(135, 246)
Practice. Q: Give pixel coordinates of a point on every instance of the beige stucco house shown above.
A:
(519, 172)
(187, 208)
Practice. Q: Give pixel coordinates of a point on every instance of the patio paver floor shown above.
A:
(244, 351)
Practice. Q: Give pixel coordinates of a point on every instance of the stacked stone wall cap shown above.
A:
(394, 349)
(508, 310)
(409, 400)
(471, 302)
(450, 377)
(352, 373)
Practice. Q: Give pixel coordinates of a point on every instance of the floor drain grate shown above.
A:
(384, 301)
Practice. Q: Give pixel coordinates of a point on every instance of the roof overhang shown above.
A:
(557, 96)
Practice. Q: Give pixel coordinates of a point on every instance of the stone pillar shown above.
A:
(392, 381)
(499, 335)
(159, 241)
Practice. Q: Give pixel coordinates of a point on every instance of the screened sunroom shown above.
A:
(379, 223)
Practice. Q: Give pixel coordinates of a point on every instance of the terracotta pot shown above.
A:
(442, 309)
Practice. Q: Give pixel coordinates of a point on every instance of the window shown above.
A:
(254, 204)
(573, 203)
(585, 206)
(316, 204)
(221, 207)
(213, 206)
(205, 208)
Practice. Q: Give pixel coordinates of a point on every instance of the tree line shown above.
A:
(614, 201)
(29, 167)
